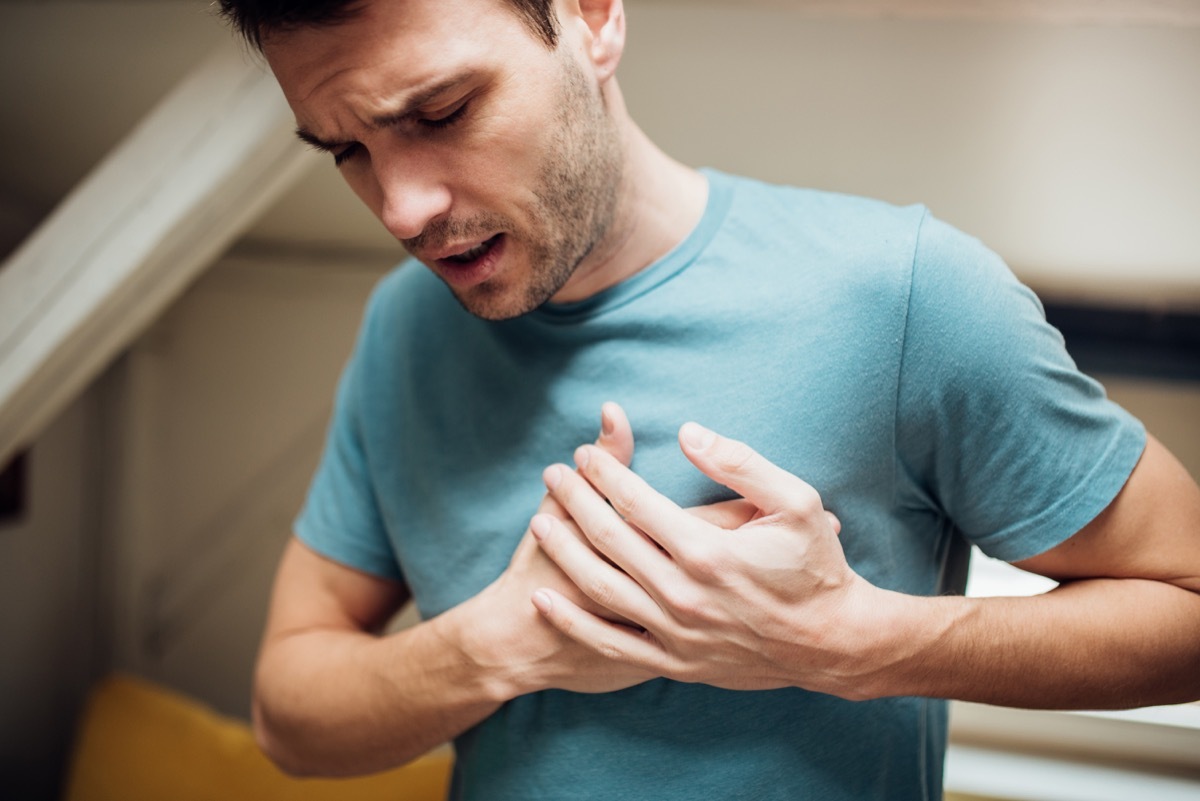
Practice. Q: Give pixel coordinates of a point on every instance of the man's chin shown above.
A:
(494, 304)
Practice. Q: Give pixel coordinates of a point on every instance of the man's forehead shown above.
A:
(413, 43)
(389, 110)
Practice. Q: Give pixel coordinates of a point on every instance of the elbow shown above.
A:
(275, 745)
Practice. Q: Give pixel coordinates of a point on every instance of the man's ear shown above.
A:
(605, 21)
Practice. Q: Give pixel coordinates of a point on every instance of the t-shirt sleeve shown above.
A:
(341, 516)
(996, 428)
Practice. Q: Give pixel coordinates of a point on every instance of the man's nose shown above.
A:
(412, 195)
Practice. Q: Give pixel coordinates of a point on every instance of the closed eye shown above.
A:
(340, 156)
(446, 120)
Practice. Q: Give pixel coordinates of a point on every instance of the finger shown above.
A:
(833, 521)
(607, 586)
(636, 501)
(628, 548)
(616, 435)
(610, 640)
(739, 467)
(725, 514)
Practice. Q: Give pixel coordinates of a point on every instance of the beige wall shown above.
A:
(1070, 149)
(236, 385)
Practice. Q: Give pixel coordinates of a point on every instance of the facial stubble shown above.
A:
(574, 205)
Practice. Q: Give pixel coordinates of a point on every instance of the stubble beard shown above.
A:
(575, 203)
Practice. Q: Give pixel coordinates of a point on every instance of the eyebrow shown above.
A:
(415, 100)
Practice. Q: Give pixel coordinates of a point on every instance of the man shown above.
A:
(611, 645)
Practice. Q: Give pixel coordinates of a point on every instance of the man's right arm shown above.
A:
(334, 697)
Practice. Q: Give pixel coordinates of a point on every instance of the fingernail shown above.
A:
(541, 600)
(552, 477)
(606, 422)
(540, 527)
(697, 436)
(581, 456)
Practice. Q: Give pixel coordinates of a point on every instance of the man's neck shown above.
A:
(661, 201)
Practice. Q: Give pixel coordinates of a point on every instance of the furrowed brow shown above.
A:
(419, 98)
(386, 120)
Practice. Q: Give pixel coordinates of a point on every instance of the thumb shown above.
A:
(745, 471)
(616, 435)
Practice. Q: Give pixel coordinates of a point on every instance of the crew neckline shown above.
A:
(720, 196)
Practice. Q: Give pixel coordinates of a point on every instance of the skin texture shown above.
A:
(776, 604)
(757, 594)
(526, 142)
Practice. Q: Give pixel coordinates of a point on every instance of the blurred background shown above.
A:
(157, 447)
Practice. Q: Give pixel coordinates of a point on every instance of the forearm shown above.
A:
(335, 703)
(1095, 644)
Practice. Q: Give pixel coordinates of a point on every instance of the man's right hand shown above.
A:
(517, 643)
(510, 637)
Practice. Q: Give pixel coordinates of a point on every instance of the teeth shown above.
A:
(472, 254)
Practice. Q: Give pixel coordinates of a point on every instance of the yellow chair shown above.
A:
(141, 742)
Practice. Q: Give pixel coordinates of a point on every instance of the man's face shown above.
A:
(489, 156)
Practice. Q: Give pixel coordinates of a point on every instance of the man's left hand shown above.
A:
(767, 604)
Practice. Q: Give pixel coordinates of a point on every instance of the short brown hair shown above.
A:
(255, 19)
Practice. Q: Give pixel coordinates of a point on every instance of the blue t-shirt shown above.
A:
(887, 359)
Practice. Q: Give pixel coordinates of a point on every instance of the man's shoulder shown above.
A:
(824, 222)
(825, 204)
(808, 242)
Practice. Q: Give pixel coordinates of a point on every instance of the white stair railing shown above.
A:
(188, 180)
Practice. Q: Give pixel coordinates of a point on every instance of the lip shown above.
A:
(461, 275)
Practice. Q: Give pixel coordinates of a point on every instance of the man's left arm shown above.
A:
(774, 603)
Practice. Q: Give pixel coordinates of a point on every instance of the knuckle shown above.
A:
(600, 591)
(705, 565)
(624, 498)
(685, 605)
(610, 650)
(561, 622)
(734, 456)
(808, 502)
(685, 671)
(605, 536)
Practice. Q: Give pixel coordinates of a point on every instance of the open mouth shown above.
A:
(472, 266)
(475, 253)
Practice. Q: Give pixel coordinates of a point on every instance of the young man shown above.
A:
(771, 642)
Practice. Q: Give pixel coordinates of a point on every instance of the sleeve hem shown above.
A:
(1075, 510)
(346, 554)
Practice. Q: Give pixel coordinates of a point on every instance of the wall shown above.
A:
(48, 591)
(1070, 149)
(225, 404)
